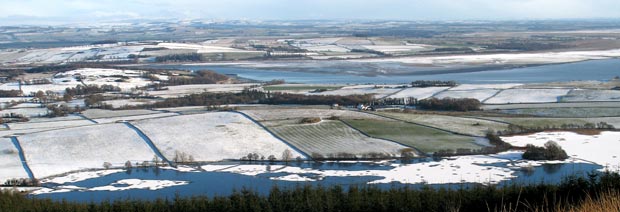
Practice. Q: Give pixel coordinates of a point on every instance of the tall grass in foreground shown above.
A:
(608, 201)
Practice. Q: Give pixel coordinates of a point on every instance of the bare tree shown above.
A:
(287, 155)
(107, 165)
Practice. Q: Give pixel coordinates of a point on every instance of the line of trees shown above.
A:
(432, 83)
(536, 197)
(513, 129)
(450, 104)
(200, 77)
(254, 96)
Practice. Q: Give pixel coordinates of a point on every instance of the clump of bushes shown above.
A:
(450, 104)
(551, 151)
(310, 120)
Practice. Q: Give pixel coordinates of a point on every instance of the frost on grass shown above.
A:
(602, 149)
(527, 96)
(60, 151)
(133, 118)
(49, 124)
(418, 93)
(211, 137)
(280, 114)
(99, 113)
(591, 95)
(377, 92)
(480, 94)
(334, 137)
(10, 163)
(463, 125)
(182, 90)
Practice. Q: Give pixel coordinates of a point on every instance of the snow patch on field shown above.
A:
(527, 96)
(603, 149)
(10, 163)
(418, 93)
(212, 137)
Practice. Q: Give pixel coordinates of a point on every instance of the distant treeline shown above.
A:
(532, 197)
(517, 129)
(253, 97)
(201, 77)
(464, 104)
(189, 57)
(524, 46)
(10, 93)
(432, 83)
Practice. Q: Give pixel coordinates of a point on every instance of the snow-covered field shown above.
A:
(418, 93)
(485, 86)
(28, 112)
(203, 48)
(591, 95)
(345, 91)
(397, 48)
(479, 94)
(49, 124)
(212, 136)
(182, 90)
(10, 163)
(527, 96)
(603, 149)
(278, 114)
(99, 113)
(117, 103)
(59, 151)
(517, 58)
(325, 48)
(132, 118)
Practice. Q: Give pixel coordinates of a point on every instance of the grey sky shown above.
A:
(92, 11)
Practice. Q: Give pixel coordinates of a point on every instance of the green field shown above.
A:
(333, 137)
(539, 122)
(425, 139)
(462, 125)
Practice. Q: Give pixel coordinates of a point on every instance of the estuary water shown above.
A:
(326, 72)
